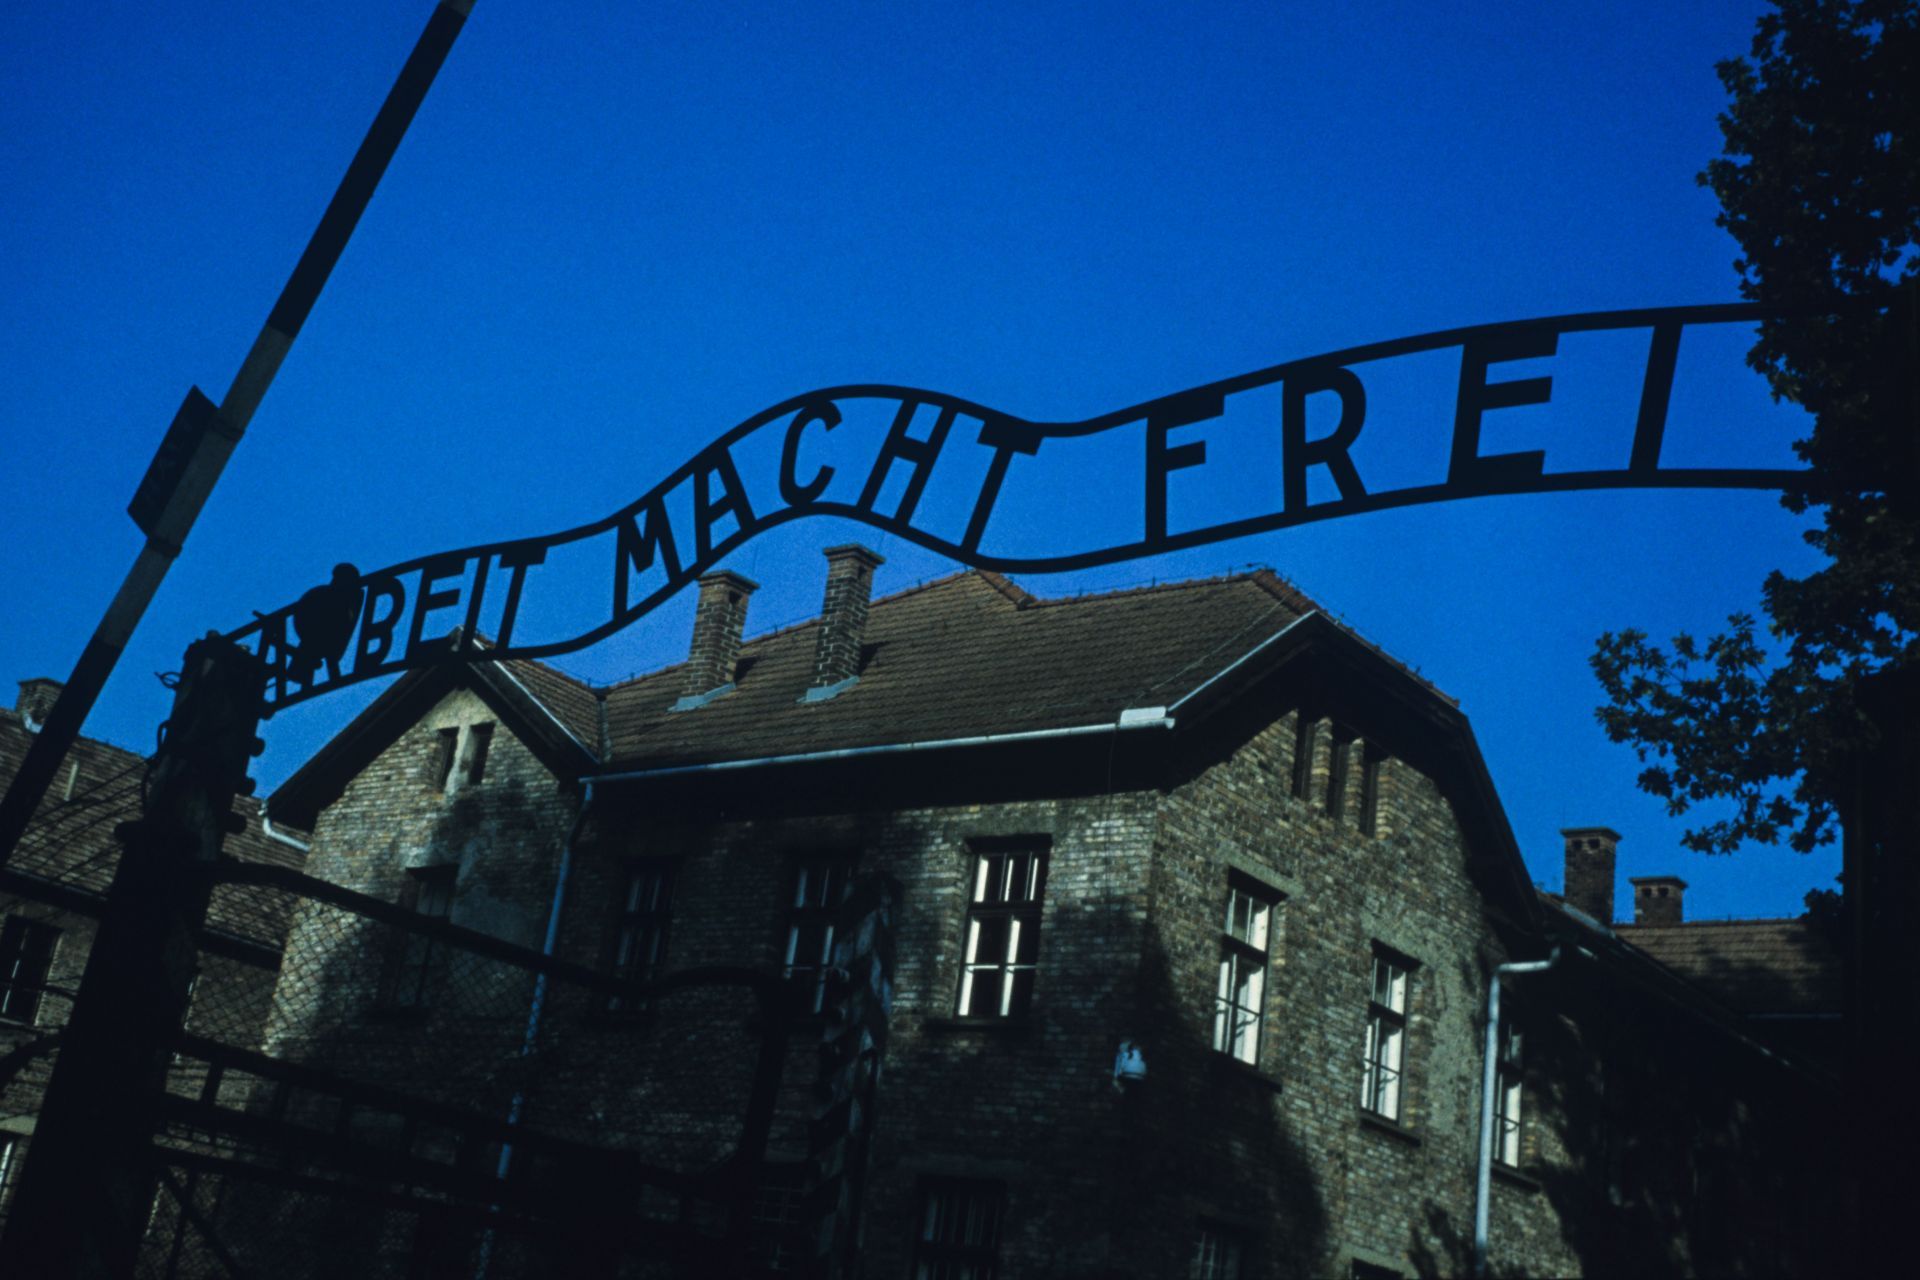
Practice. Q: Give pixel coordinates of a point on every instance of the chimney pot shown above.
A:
(1589, 870)
(37, 697)
(843, 619)
(719, 620)
(1658, 899)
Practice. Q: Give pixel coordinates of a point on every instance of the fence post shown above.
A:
(90, 1174)
(858, 1004)
(1882, 878)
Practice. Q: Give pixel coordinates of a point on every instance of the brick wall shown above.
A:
(1103, 1180)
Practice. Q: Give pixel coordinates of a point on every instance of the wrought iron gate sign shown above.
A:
(432, 608)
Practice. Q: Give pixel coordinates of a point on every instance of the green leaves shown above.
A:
(1820, 185)
(1724, 722)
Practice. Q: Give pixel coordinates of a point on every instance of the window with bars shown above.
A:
(959, 1234)
(417, 959)
(1003, 933)
(1217, 1254)
(1239, 1002)
(1383, 1058)
(26, 957)
(777, 1218)
(638, 950)
(819, 884)
(1507, 1097)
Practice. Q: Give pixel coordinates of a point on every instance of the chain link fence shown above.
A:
(404, 1097)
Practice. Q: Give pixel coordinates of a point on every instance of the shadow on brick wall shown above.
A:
(1679, 1150)
(1108, 1182)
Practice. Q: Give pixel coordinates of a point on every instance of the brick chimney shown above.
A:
(843, 620)
(36, 698)
(1589, 870)
(718, 621)
(1657, 899)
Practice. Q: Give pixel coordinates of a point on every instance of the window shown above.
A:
(1383, 1060)
(26, 954)
(8, 1152)
(1217, 1254)
(1003, 933)
(959, 1230)
(1240, 999)
(819, 884)
(777, 1220)
(428, 892)
(1370, 791)
(1303, 734)
(1337, 774)
(479, 738)
(1506, 1098)
(445, 744)
(640, 928)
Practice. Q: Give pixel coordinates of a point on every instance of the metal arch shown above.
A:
(349, 629)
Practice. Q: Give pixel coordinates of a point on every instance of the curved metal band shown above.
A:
(643, 540)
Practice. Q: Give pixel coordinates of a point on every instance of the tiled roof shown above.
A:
(1751, 966)
(964, 656)
(71, 842)
(573, 702)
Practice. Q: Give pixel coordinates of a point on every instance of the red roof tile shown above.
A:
(964, 656)
(1752, 966)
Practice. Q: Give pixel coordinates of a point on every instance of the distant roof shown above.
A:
(70, 842)
(967, 655)
(1751, 966)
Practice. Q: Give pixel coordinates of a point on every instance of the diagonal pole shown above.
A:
(176, 486)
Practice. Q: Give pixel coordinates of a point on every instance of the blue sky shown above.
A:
(615, 230)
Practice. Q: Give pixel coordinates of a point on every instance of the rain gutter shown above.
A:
(1131, 718)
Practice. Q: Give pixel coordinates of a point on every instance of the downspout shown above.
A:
(1483, 1175)
(280, 837)
(528, 1041)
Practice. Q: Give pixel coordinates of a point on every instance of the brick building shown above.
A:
(1201, 895)
(52, 894)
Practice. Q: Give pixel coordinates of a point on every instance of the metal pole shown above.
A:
(89, 1177)
(211, 434)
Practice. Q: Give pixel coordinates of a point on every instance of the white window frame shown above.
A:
(1001, 956)
(1508, 1100)
(1384, 1052)
(637, 949)
(23, 993)
(819, 886)
(1219, 1253)
(1240, 996)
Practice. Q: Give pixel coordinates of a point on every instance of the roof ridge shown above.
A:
(1702, 924)
(485, 641)
(999, 582)
(1285, 590)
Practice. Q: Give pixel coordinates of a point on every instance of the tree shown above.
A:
(1820, 185)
